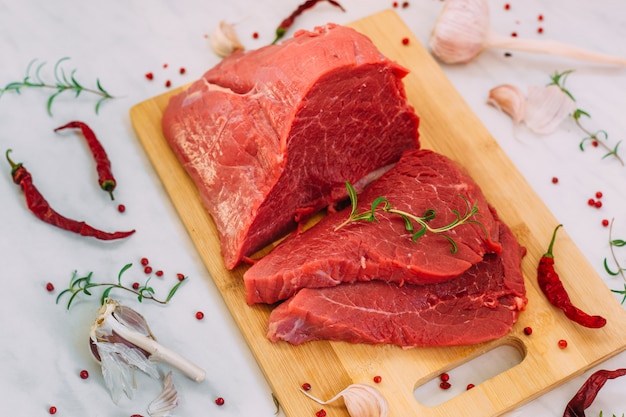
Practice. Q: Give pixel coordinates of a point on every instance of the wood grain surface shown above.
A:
(447, 126)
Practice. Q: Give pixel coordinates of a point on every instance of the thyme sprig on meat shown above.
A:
(418, 226)
(596, 138)
(62, 82)
(84, 285)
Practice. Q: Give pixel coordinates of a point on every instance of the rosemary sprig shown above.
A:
(62, 82)
(620, 270)
(84, 285)
(595, 138)
(381, 204)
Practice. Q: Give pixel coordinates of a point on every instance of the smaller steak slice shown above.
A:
(480, 305)
(272, 134)
(364, 251)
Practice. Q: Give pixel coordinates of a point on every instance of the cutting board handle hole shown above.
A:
(474, 369)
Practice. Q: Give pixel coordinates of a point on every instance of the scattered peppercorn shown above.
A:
(562, 343)
(306, 386)
(50, 287)
(598, 204)
(321, 413)
(219, 401)
(165, 65)
(84, 374)
(528, 331)
(168, 83)
(52, 410)
(540, 30)
(395, 4)
(540, 18)
(180, 276)
(444, 385)
(555, 180)
(159, 273)
(199, 315)
(147, 270)
(135, 285)
(591, 202)
(121, 208)
(444, 377)
(182, 70)
(405, 4)
(255, 35)
(598, 194)
(378, 379)
(405, 41)
(605, 222)
(470, 386)
(145, 261)
(150, 76)
(514, 34)
(507, 6)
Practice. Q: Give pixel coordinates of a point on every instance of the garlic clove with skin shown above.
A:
(122, 341)
(546, 108)
(462, 31)
(224, 40)
(509, 99)
(361, 401)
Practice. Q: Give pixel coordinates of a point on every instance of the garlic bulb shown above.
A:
(509, 99)
(361, 401)
(121, 341)
(542, 111)
(224, 40)
(463, 31)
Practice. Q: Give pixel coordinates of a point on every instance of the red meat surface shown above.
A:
(482, 304)
(272, 134)
(325, 256)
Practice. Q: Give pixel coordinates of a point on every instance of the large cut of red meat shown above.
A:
(482, 304)
(271, 135)
(325, 256)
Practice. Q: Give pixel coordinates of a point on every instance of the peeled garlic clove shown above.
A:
(509, 99)
(224, 40)
(361, 401)
(162, 405)
(460, 31)
(546, 108)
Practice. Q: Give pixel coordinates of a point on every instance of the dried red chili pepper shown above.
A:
(288, 22)
(40, 207)
(103, 165)
(589, 390)
(553, 288)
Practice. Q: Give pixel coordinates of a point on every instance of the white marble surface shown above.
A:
(44, 346)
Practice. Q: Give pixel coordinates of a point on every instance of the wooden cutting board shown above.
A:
(449, 127)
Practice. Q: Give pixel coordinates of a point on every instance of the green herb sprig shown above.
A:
(618, 269)
(84, 285)
(381, 204)
(598, 137)
(62, 82)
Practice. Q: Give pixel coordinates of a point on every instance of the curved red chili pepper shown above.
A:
(553, 288)
(103, 165)
(288, 22)
(589, 390)
(38, 205)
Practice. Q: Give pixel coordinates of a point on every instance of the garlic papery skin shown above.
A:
(509, 99)
(546, 108)
(163, 405)
(361, 401)
(224, 40)
(122, 325)
(463, 31)
(460, 31)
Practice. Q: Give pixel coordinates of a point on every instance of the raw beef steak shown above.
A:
(480, 305)
(364, 251)
(271, 135)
